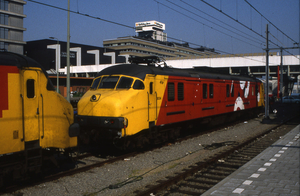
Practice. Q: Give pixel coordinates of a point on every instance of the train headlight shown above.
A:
(95, 98)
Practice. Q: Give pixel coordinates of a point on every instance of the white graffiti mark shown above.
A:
(247, 90)
(242, 84)
(239, 104)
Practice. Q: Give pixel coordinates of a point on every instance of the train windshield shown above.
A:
(95, 83)
(109, 82)
(125, 83)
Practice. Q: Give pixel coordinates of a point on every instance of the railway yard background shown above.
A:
(133, 174)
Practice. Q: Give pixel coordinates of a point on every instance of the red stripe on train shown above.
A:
(4, 70)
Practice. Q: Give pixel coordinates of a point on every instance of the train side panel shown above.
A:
(30, 112)
(55, 118)
(11, 129)
(188, 99)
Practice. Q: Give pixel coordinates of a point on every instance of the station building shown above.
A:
(151, 40)
(87, 61)
(52, 55)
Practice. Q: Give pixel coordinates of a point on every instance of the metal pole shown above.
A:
(281, 75)
(57, 68)
(68, 54)
(57, 63)
(267, 75)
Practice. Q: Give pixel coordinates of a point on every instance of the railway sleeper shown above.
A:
(202, 181)
(219, 172)
(240, 156)
(222, 167)
(252, 151)
(236, 162)
(197, 186)
(229, 165)
(211, 176)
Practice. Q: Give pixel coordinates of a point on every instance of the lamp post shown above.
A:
(68, 54)
(57, 62)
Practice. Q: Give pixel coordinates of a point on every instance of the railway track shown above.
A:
(170, 185)
(79, 169)
(199, 178)
(88, 161)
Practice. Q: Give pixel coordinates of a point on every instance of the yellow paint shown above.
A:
(48, 115)
(262, 95)
(135, 105)
(12, 118)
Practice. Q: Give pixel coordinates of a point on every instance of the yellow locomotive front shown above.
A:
(111, 109)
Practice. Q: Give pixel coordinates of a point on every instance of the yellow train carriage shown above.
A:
(32, 115)
(115, 104)
(151, 103)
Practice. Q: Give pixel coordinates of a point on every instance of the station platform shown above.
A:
(274, 172)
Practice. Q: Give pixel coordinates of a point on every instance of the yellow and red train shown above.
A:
(35, 121)
(133, 104)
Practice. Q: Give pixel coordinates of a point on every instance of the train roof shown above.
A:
(21, 61)
(140, 71)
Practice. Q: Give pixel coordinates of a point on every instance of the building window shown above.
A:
(171, 92)
(3, 5)
(211, 91)
(204, 89)
(180, 91)
(4, 19)
(3, 45)
(3, 33)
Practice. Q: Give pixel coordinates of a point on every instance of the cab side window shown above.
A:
(30, 88)
(138, 85)
(211, 91)
(204, 91)
(227, 90)
(95, 83)
(180, 91)
(171, 92)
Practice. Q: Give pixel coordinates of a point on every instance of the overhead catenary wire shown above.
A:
(219, 10)
(245, 36)
(86, 15)
(116, 23)
(208, 25)
(269, 21)
(127, 26)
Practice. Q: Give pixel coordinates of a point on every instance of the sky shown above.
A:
(228, 26)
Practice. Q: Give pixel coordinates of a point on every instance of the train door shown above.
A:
(31, 105)
(152, 102)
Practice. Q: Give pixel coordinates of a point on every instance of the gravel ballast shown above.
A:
(125, 177)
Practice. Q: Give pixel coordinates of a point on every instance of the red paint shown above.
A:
(194, 106)
(4, 70)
